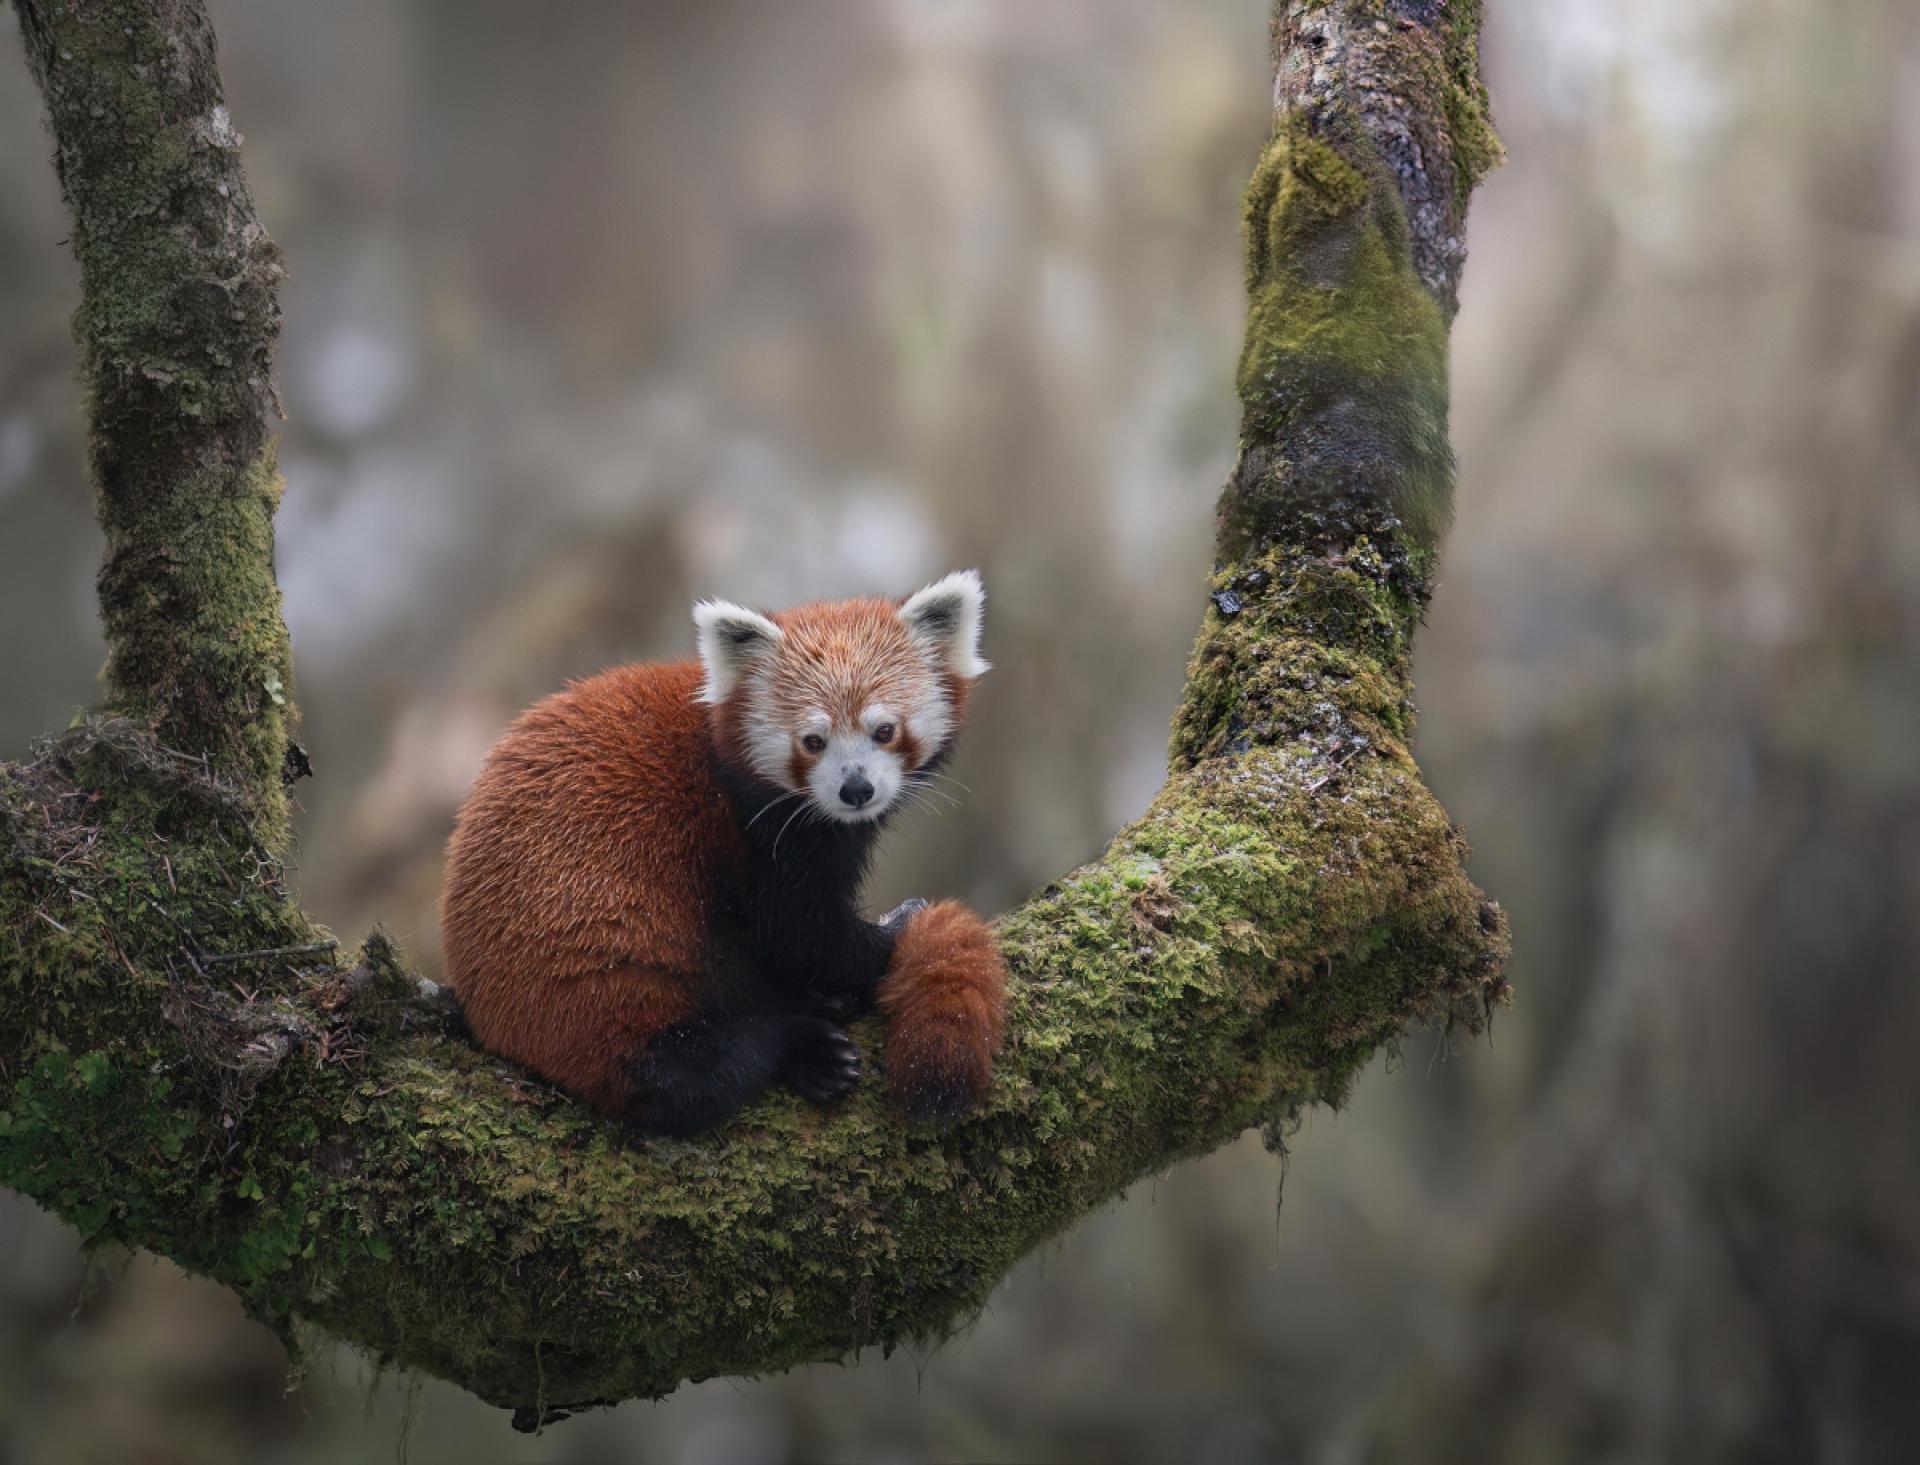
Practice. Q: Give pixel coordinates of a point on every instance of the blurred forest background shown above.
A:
(597, 308)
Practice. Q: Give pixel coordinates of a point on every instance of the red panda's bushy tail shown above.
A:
(944, 996)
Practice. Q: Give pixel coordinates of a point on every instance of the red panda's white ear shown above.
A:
(732, 638)
(947, 616)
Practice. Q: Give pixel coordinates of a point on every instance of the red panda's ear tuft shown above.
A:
(732, 639)
(947, 616)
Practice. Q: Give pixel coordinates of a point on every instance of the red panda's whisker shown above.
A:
(805, 808)
(774, 803)
(918, 799)
(913, 786)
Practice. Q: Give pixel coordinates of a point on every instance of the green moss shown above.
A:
(205, 659)
(1317, 651)
(1477, 150)
(1299, 188)
(1374, 331)
(1344, 368)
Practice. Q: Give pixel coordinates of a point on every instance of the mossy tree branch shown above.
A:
(178, 314)
(186, 1066)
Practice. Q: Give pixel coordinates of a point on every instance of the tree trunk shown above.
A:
(187, 1065)
(178, 313)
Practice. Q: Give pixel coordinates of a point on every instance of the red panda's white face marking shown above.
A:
(844, 702)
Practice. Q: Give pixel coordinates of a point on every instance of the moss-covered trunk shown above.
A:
(176, 326)
(186, 1065)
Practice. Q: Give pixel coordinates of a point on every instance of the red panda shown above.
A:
(650, 891)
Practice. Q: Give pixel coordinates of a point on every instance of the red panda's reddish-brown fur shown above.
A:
(582, 870)
(944, 997)
(574, 906)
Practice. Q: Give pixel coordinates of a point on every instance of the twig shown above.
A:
(310, 949)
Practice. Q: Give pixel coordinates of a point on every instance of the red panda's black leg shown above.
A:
(845, 983)
(700, 1073)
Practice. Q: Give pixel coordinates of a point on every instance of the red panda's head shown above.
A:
(843, 702)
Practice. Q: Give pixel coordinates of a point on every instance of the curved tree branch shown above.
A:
(186, 1066)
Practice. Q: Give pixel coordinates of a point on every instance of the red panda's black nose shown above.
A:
(856, 792)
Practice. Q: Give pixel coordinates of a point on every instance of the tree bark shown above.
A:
(186, 1065)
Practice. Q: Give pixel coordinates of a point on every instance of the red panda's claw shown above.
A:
(821, 1063)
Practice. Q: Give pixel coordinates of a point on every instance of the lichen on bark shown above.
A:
(187, 1063)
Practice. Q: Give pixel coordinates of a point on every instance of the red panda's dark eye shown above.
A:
(883, 734)
(814, 743)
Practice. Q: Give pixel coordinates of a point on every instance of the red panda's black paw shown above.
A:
(895, 920)
(821, 1063)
